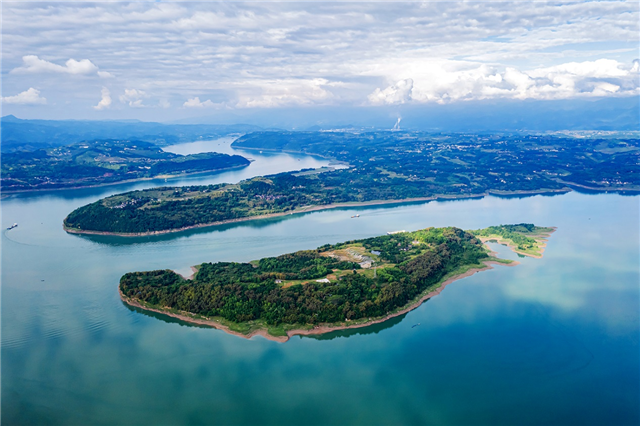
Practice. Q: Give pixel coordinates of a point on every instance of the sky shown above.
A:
(165, 61)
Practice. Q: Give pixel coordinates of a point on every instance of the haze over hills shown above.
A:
(497, 115)
(29, 135)
(491, 116)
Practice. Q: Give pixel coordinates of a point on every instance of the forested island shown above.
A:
(345, 285)
(101, 162)
(385, 167)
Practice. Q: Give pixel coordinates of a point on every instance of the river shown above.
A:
(550, 341)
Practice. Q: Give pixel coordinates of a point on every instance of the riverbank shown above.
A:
(310, 209)
(322, 328)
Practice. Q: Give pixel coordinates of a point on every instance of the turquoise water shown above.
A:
(550, 341)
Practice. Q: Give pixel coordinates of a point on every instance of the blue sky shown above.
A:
(163, 61)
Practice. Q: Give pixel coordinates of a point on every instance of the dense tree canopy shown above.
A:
(241, 292)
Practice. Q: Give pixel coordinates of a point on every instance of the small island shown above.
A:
(103, 162)
(346, 285)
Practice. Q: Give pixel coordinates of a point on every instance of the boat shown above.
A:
(415, 325)
(357, 215)
(15, 225)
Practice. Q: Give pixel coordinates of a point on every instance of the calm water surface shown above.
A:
(551, 341)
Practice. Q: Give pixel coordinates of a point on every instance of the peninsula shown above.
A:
(173, 209)
(346, 285)
(103, 162)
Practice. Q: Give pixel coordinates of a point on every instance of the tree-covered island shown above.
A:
(101, 162)
(385, 167)
(345, 285)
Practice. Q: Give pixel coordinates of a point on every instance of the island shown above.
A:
(374, 168)
(346, 285)
(102, 162)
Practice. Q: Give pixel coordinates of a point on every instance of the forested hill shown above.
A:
(174, 208)
(603, 161)
(351, 281)
(101, 162)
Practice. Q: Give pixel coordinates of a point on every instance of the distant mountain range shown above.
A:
(29, 135)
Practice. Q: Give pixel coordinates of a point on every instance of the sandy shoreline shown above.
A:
(194, 271)
(303, 210)
(320, 329)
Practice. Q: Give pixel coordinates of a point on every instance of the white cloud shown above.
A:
(195, 103)
(398, 93)
(28, 97)
(332, 53)
(282, 92)
(133, 97)
(105, 102)
(164, 103)
(31, 64)
(445, 81)
(83, 66)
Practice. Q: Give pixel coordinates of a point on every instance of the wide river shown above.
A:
(552, 341)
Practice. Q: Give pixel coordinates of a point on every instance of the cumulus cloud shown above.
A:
(28, 97)
(133, 97)
(105, 102)
(195, 103)
(164, 103)
(398, 93)
(292, 53)
(446, 81)
(31, 64)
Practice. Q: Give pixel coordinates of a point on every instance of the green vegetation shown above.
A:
(525, 237)
(471, 163)
(101, 162)
(351, 281)
(386, 166)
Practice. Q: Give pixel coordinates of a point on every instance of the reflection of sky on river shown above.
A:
(550, 341)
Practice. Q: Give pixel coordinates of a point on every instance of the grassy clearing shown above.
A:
(503, 261)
